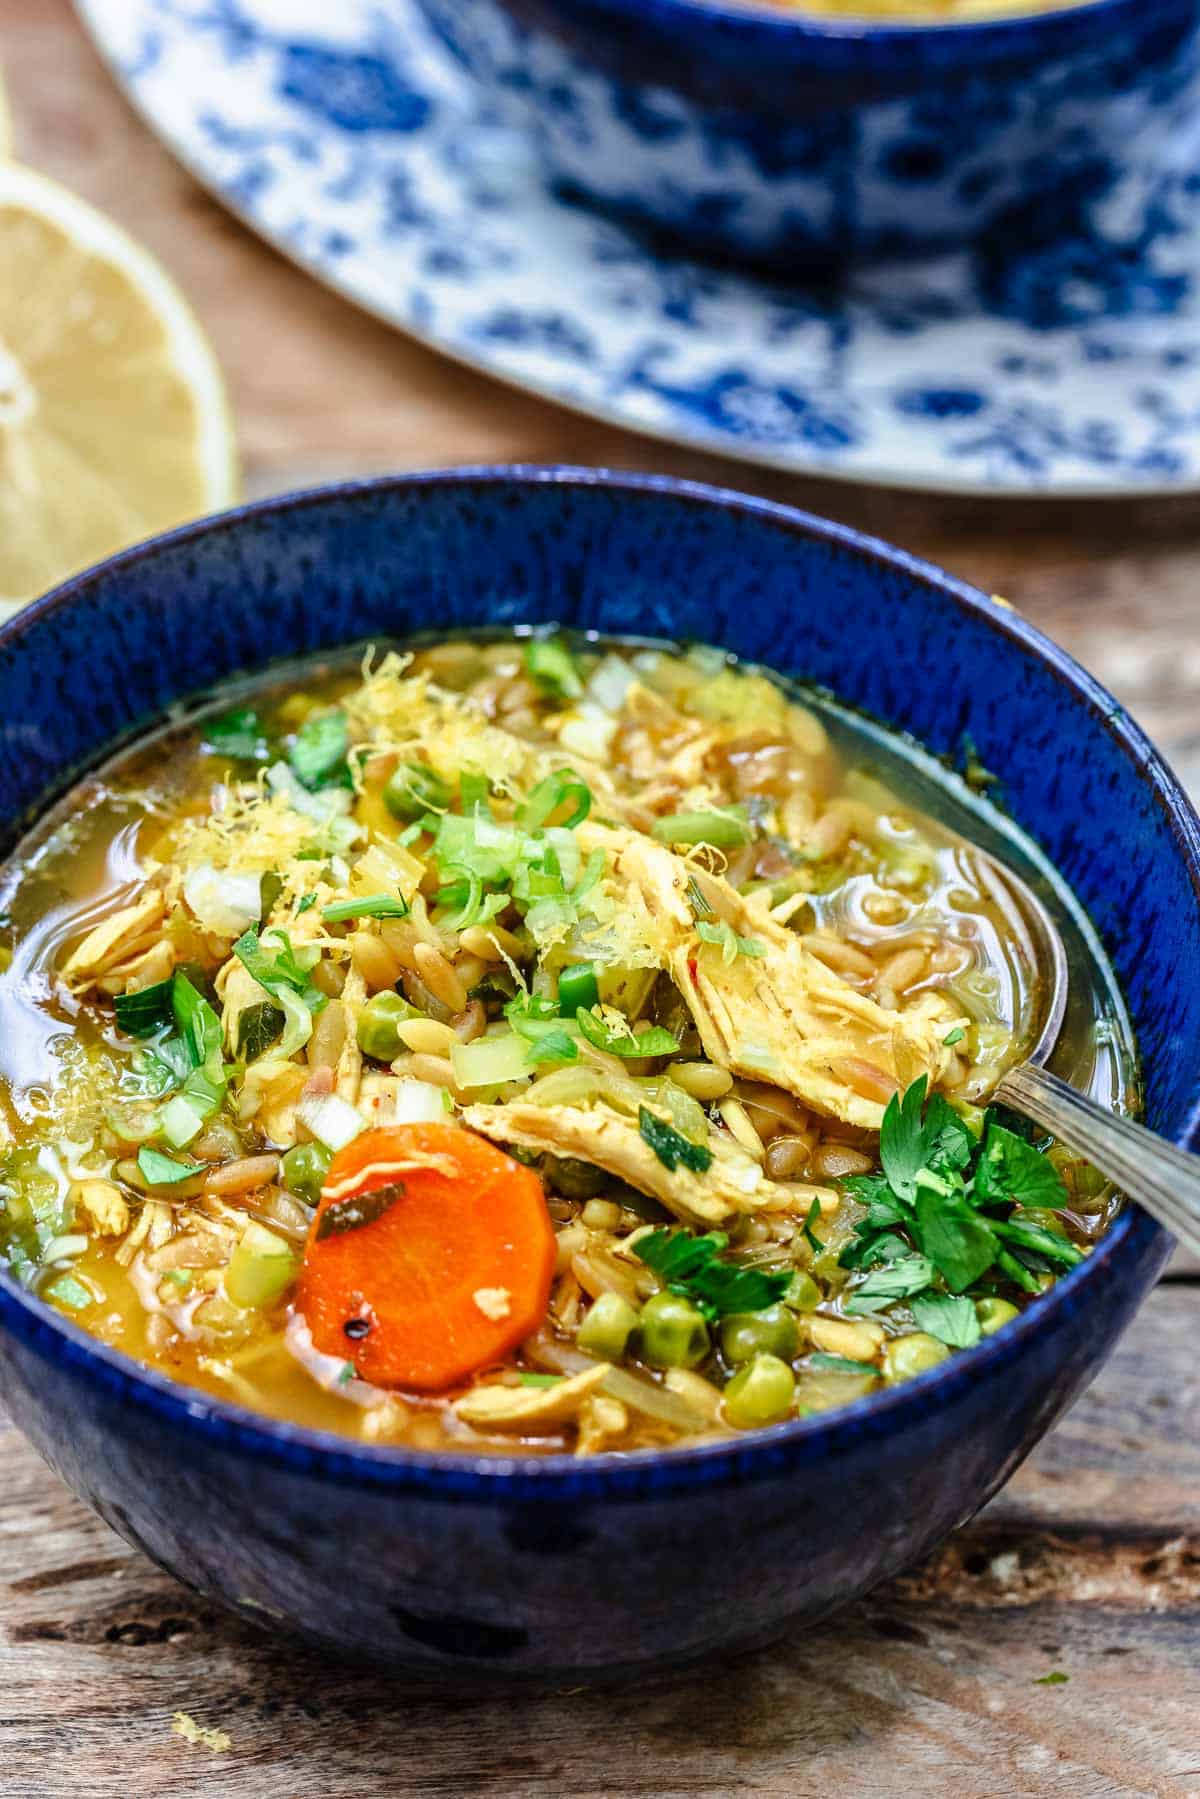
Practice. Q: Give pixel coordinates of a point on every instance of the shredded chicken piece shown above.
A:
(348, 1073)
(103, 1206)
(530, 1409)
(781, 1017)
(110, 956)
(733, 1183)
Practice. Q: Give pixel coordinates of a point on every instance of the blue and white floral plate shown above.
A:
(346, 136)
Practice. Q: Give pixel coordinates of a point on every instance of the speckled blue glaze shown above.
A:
(509, 1568)
(749, 132)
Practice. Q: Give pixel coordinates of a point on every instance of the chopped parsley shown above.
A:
(671, 1147)
(692, 1266)
(951, 1206)
(141, 1013)
(165, 1171)
(237, 735)
(319, 751)
(653, 1041)
(949, 1317)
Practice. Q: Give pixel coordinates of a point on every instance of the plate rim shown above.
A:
(802, 466)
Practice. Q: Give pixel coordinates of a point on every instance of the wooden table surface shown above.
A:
(1088, 1564)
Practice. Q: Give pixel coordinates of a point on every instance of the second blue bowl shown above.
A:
(760, 134)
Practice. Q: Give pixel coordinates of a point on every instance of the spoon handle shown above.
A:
(1164, 1181)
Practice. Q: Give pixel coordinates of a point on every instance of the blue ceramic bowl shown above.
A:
(552, 1566)
(755, 133)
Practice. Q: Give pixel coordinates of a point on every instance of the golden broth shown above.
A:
(830, 842)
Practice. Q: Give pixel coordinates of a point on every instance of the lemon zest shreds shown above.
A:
(200, 1734)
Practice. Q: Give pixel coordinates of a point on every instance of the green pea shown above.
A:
(304, 1169)
(993, 1312)
(772, 1331)
(803, 1295)
(762, 1392)
(673, 1332)
(413, 790)
(606, 1330)
(905, 1356)
(377, 1031)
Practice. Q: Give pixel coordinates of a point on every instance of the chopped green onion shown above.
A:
(70, 1293)
(473, 791)
(528, 1379)
(550, 666)
(198, 1023)
(180, 1122)
(490, 1061)
(553, 792)
(374, 905)
(577, 986)
(955, 1036)
(307, 903)
(726, 829)
(332, 1121)
(261, 1268)
(165, 1171)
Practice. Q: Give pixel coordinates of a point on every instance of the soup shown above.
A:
(926, 12)
(532, 1044)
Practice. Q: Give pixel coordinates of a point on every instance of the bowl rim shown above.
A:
(859, 43)
(642, 1474)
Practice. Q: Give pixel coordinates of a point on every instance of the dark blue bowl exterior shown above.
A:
(768, 138)
(553, 1566)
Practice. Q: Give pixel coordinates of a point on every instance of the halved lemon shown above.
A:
(113, 421)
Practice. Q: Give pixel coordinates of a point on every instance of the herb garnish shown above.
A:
(670, 1146)
(165, 1171)
(692, 1267)
(956, 1201)
(653, 1041)
(318, 753)
(141, 1013)
(238, 735)
(732, 946)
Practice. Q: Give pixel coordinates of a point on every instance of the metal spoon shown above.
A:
(1164, 1180)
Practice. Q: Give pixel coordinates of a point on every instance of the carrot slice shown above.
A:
(430, 1256)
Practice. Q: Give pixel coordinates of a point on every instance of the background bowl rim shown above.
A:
(851, 43)
(461, 1476)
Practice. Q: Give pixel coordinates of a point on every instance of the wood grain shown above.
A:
(1090, 1560)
